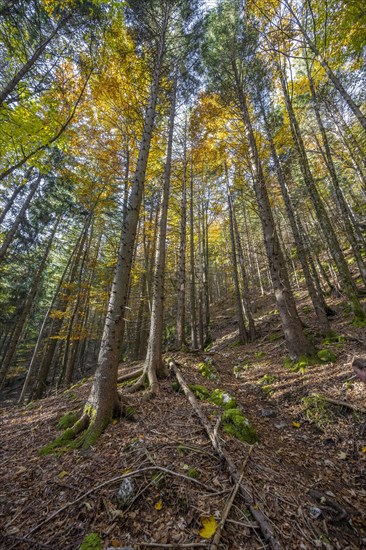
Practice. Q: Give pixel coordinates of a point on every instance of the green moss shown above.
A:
(91, 542)
(208, 371)
(333, 338)
(236, 424)
(223, 399)
(127, 383)
(317, 410)
(326, 356)
(199, 391)
(259, 354)
(192, 472)
(68, 420)
(61, 441)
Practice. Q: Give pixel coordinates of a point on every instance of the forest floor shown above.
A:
(307, 473)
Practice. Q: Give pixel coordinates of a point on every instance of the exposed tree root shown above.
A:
(245, 491)
(129, 375)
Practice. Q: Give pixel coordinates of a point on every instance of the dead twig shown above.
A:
(109, 482)
(343, 404)
(253, 507)
(228, 505)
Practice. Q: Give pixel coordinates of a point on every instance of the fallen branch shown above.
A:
(257, 514)
(343, 404)
(324, 499)
(174, 545)
(113, 480)
(228, 505)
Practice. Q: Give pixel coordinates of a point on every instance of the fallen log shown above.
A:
(235, 475)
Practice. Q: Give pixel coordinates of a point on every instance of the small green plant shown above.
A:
(317, 410)
(193, 473)
(266, 384)
(223, 399)
(301, 365)
(259, 354)
(91, 542)
(236, 424)
(326, 356)
(208, 371)
(333, 339)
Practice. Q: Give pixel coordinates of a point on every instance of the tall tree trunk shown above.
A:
(243, 335)
(103, 401)
(321, 213)
(181, 306)
(296, 341)
(19, 218)
(200, 280)
(244, 278)
(26, 308)
(206, 270)
(316, 298)
(154, 366)
(343, 207)
(194, 343)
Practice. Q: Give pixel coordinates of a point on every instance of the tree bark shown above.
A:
(154, 367)
(296, 341)
(243, 335)
(181, 306)
(19, 218)
(6, 364)
(321, 213)
(343, 207)
(103, 401)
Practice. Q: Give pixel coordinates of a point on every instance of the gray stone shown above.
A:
(269, 413)
(280, 425)
(126, 492)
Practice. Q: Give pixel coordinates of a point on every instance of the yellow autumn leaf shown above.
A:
(296, 424)
(114, 422)
(363, 450)
(63, 474)
(209, 527)
(158, 505)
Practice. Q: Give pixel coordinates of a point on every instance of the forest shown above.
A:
(183, 274)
